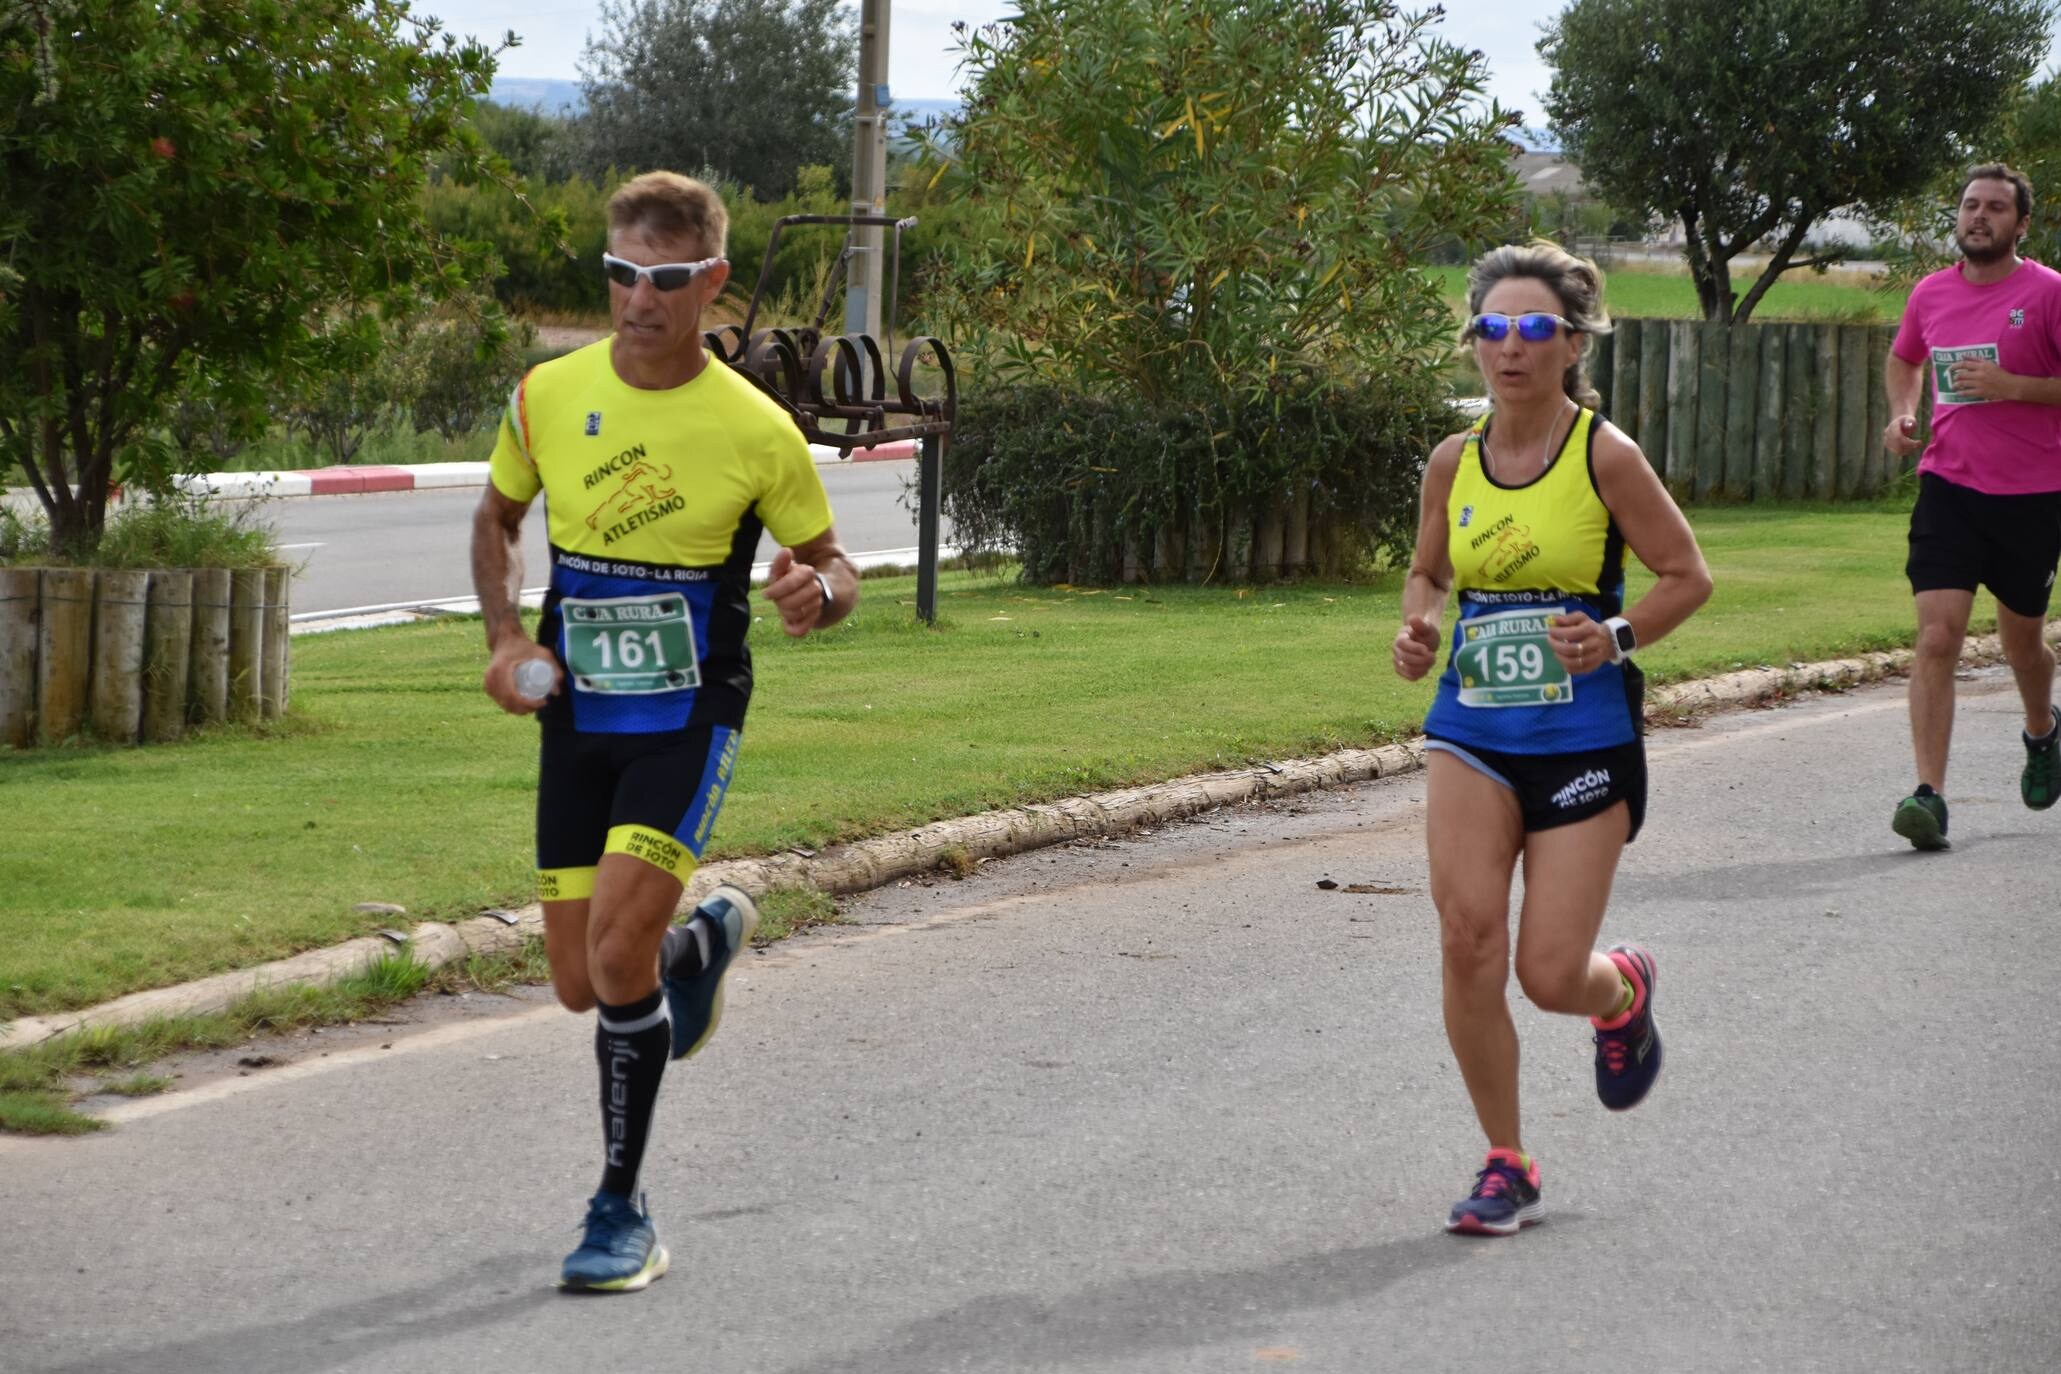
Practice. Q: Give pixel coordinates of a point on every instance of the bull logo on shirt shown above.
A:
(1513, 549)
(641, 495)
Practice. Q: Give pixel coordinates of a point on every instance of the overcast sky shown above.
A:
(921, 59)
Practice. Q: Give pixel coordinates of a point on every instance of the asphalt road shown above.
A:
(393, 547)
(1162, 1105)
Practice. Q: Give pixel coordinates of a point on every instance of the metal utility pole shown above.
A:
(869, 171)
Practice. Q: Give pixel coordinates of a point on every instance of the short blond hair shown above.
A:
(672, 205)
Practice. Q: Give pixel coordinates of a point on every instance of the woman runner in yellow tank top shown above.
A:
(1534, 741)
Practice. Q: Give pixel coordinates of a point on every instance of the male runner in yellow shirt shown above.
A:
(660, 467)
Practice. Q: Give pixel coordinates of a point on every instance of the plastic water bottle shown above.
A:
(533, 679)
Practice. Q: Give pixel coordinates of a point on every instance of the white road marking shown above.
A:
(533, 597)
(145, 1107)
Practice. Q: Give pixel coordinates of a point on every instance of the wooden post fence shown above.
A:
(1754, 411)
(167, 655)
(246, 643)
(64, 652)
(208, 684)
(137, 655)
(19, 599)
(120, 599)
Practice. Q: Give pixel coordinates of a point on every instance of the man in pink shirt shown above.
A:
(1988, 330)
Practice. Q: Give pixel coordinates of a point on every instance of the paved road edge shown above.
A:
(866, 864)
(355, 479)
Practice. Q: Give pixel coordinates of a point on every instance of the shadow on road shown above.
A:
(1827, 877)
(1157, 1312)
(340, 1335)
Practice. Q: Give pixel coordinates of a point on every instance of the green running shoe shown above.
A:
(1921, 818)
(2038, 784)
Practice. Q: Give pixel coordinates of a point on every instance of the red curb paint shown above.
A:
(342, 481)
(388, 479)
(905, 448)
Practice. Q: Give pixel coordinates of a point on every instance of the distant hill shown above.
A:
(542, 93)
(920, 110)
(553, 96)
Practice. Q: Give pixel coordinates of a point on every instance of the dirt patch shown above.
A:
(567, 337)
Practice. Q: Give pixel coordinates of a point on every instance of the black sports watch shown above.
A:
(1622, 640)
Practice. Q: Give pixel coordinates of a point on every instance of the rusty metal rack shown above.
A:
(820, 378)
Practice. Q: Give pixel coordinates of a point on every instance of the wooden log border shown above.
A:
(135, 656)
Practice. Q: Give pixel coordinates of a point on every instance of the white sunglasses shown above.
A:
(664, 276)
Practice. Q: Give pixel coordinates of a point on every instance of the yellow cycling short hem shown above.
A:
(565, 884)
(655, 847)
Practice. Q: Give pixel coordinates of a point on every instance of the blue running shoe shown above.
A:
(696, 1000)
(1505, 1199)
(1628, 1049)
(620, 1252)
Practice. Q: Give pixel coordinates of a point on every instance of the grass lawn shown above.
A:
(1657, 295)
(395, 780)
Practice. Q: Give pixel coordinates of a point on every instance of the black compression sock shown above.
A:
(684, 950)
(631, 1045)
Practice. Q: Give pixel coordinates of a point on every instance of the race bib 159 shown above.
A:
(1505, 659)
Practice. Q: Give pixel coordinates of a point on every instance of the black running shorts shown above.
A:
(654, 797)
(1962, 539)
(1560, 789)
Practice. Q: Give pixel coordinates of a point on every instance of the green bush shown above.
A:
(163, 532)
(1093, 489)
(23, 538)
(351, 394)
(447, 372)
(550, 247)
(548, 238)
(457, 369)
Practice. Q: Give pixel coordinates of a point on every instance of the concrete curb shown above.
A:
(432, 943)
(356, 480)
(871, 863)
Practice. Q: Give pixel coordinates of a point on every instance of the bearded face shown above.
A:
(1987, 227)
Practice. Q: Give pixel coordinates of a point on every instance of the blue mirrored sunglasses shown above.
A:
(666, 276)
(1533, 328)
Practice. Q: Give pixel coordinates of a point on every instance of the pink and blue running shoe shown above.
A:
(1628, 1047)
(1505, 1199)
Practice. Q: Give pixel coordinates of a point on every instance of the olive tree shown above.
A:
(1747, 122)
(198, 196)
(2028, 138)
(1195, 228)
(755, 89)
